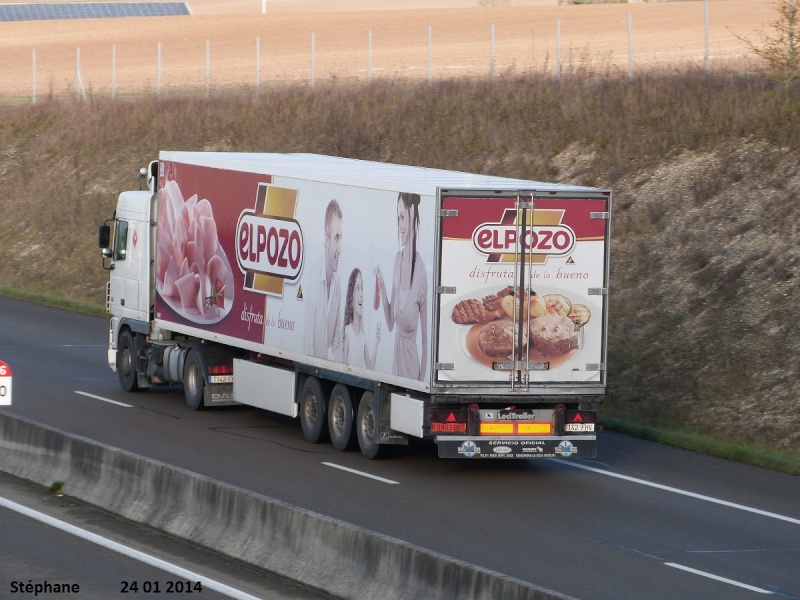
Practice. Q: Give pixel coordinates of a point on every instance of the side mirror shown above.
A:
(104, 238)
(104, 241)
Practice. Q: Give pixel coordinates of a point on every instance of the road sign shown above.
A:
(5, 384)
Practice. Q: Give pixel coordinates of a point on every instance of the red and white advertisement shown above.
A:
(298, 268)
(529, 289)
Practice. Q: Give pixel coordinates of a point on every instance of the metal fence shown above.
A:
(432, 52)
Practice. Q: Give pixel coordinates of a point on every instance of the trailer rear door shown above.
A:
(522, 288)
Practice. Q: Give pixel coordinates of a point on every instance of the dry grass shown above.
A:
(705, 268)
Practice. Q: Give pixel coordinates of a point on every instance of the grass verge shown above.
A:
(82, 307)
(768, 459)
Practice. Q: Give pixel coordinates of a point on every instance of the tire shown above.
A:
(367, 429)
(194, 380)
(341, 418)
(313, 411)
(126, 363)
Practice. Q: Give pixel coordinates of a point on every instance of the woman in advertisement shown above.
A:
(406, 307)
(356, 350)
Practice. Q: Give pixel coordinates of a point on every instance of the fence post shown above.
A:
(630, 46)
(558, 48)
(113, 71)
(430, 43)
(158, 71)
(80, 92)
(491, 58)
(34, 75)
(706, 30)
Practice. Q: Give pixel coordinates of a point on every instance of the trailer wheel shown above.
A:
(126, 363)
(367, 428)
(341, 416)
(313, 411)
(194, 381)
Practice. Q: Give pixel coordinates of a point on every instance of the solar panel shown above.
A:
(91, 10)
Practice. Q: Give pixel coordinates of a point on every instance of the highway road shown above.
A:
(53, 546)
(642, 520)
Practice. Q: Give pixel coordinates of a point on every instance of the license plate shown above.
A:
(448, 427)
(571, 427)
(220, 379)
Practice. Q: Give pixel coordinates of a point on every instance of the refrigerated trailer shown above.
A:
(376, 302)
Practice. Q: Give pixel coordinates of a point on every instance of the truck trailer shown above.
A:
(376, 302)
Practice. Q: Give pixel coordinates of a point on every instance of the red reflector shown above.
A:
(448, 416)
(581, 416)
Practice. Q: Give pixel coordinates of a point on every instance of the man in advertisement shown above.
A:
(323, 325)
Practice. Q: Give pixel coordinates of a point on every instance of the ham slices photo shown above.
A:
(193, 274)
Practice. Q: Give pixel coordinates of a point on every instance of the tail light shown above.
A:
(220, 370)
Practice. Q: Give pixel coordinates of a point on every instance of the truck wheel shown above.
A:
(313, 413)
(367, 428)
(341, 417)
(126, 363)
(194, 381)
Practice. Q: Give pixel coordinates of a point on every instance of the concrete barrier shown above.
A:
(320, 552)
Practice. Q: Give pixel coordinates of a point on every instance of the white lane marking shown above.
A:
(718, 578)
(127, 551)
(667, 488)
(104, 399)
(349, 470)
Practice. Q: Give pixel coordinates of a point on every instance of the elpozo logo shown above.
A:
(269, 241)
(269, 245)
(498, 240)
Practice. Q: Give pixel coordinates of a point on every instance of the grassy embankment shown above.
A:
(705, 321)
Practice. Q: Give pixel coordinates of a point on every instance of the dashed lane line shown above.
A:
(752, 588)
(361, 473)
(104, 399)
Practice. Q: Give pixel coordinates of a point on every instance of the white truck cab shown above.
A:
(128, 244)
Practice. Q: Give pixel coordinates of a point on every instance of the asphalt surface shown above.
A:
(643, 520)
(54, 546)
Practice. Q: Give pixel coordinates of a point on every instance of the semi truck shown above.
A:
(374, 302)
